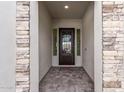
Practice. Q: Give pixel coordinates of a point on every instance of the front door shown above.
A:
(66, 46)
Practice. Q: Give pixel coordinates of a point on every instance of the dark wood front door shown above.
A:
(66, 46)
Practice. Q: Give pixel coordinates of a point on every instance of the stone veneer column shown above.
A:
(23, 46)
(113, 46)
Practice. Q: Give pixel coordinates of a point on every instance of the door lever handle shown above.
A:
(85, 49)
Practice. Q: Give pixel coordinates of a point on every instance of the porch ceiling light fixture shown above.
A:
(66, 6)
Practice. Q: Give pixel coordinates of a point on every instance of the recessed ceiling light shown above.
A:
(66, 6)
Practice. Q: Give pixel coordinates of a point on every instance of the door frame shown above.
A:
(34, 57)
(73, 44)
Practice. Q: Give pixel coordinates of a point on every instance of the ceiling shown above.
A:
(75, 11)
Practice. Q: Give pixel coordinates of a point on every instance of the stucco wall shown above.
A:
(45, 45)
(68, 23)
(7, 46)
(34, 47)
(98, 46)
(88, 41)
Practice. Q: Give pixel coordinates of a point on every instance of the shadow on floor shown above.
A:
(66, 79)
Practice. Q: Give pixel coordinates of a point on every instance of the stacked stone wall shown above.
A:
(113, 46)
(23, 46)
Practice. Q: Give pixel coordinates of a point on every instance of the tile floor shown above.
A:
(66, 79)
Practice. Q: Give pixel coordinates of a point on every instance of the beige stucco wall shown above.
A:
(98, 86)
(7, 46)
(88, 41)
(45, 45)
(34, 47)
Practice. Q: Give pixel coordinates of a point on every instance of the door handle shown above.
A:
(85, 49)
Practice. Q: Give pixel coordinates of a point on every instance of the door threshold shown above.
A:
(66, 66)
